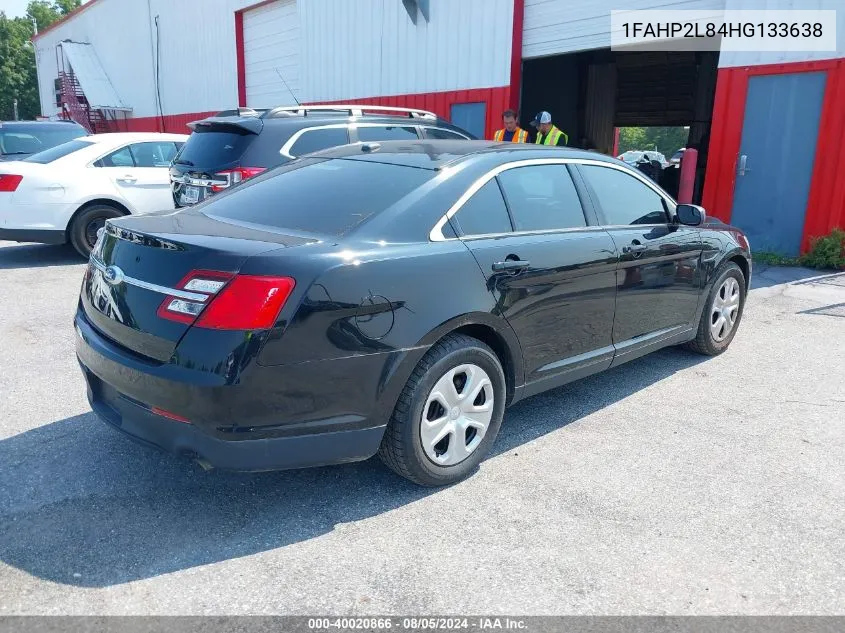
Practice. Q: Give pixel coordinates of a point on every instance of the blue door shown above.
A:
(776, 157)
(472, 117)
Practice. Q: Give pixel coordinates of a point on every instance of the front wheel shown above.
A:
(448, 414)
(83, 230)
(722, 313)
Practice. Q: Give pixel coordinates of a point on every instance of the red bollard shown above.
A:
(687, 180)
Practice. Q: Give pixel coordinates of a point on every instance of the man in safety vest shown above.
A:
(547, 133)
(512, 132)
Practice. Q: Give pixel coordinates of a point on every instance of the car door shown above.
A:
(659, 276)
(551, 271)
(140, 173)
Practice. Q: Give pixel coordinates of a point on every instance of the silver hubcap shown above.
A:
(725, 310)
(456, 415)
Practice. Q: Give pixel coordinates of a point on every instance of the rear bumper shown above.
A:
(186, 440)
(222, 425)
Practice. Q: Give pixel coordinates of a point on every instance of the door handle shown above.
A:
(743, 165)
(635, 248)
(511, 265)
(128, 179)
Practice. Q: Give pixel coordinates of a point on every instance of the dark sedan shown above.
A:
(393, 298)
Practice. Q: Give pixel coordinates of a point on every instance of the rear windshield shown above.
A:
(30, 140)
(213, 148)
(57, 152)
(329, 197)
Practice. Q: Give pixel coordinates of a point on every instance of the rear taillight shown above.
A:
(9, 182)
(234, 176)
(228, 302)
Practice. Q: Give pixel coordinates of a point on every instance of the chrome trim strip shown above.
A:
(173, 292)
(436, 234)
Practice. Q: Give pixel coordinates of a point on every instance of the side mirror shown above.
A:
(690, 214)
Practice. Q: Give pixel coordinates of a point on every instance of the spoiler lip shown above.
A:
(250, 124)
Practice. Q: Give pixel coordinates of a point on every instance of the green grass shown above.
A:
(775, 259)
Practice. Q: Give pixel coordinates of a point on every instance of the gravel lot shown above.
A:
(674, 484)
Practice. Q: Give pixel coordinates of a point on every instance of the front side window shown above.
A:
(542, 197)
(156, 154)
(386, 133)
(484, 213)
(623, 198)
(118, 158)
(319, 139)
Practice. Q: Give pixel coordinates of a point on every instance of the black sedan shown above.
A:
(393, 298)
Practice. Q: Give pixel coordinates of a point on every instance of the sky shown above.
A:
(16, 8)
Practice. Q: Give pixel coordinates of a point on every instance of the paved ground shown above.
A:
(671, 485)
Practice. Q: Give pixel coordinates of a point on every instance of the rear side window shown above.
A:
(214, 149)
(386, 133)
(623, 198)
(318, 196)
(443, 135)
(542, 197)
(319, 139)
(57, 152)
(484, 213)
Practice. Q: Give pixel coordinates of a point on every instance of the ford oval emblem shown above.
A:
(113, 275)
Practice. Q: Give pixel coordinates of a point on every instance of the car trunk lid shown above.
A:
(139, 262)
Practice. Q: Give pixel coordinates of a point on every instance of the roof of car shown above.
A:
(436, 154)
(29, 124)
(128, 137)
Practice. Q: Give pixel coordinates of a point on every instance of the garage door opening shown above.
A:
(591, 94)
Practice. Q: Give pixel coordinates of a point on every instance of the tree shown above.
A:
(18, 79)
(666, 140)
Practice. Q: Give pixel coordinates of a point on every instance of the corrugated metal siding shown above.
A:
(371, 47)
(271, 54)
(564, 26)
(348, 50)
(736, 58)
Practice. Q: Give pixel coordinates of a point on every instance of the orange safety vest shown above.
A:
(519, 136)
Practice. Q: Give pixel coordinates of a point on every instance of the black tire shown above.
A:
(93, 217)
(705, 342)
(401, 448)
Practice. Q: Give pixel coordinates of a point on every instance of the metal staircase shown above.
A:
(75, 106)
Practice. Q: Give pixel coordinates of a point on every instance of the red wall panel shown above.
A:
(826, 201)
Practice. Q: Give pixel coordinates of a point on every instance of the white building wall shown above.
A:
(348, 49)
(741, 58)
(366, 48)
(564, 26)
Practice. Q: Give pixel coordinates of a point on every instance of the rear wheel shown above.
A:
(83, 229)
(448, 414)
(722, 313)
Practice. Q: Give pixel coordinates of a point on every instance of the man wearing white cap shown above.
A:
(547, 133)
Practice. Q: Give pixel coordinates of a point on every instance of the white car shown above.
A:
(66, 193)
